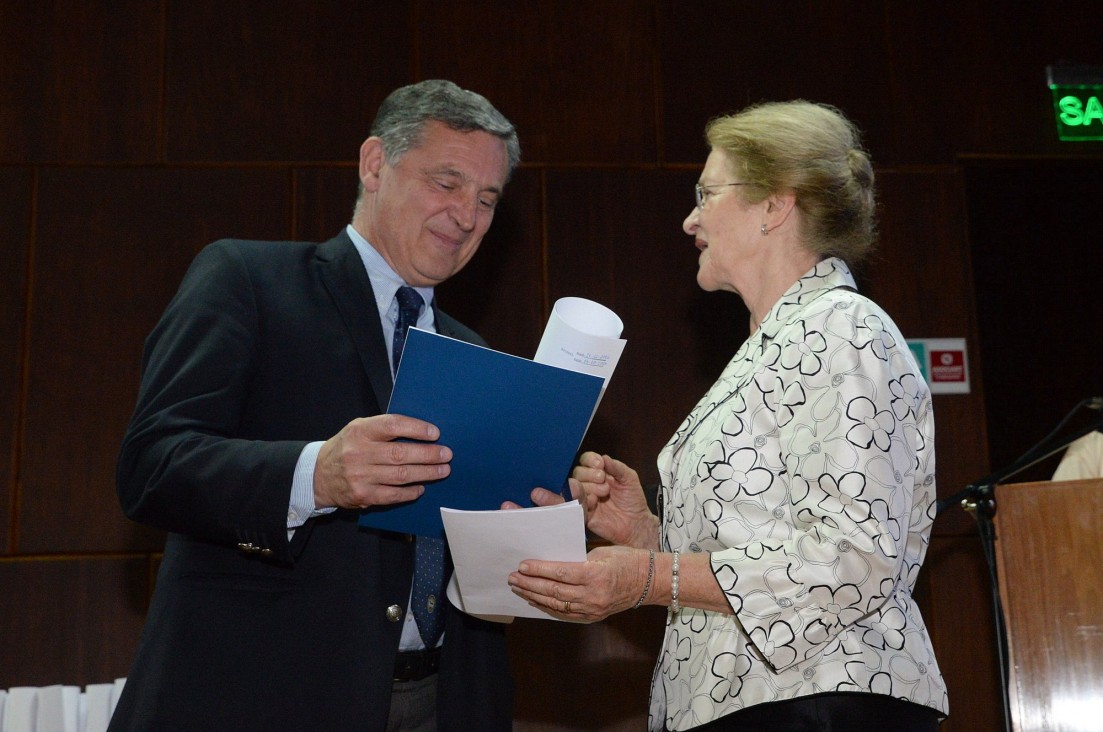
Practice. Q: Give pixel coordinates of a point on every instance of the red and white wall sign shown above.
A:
(944, 363)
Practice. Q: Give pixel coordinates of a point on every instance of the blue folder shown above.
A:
(513, 424)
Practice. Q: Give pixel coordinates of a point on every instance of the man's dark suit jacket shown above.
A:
(267, 346)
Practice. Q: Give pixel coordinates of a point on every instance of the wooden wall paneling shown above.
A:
(969, 79)
(717, 58)
(585, 677)
(1036, 250)
(15, 243)
(296, 80)
(324, 199)
(616, 237)
(112, 246)
(577, 79)
(79, 80)
(958, 613)
(71, 620)
(921, 274)
(920, 271)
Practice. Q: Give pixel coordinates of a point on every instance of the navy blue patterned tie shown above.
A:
(429, 552)
(409, 307)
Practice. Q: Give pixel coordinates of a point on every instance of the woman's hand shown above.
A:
(612, 498)
(615, 505)
(610, 580)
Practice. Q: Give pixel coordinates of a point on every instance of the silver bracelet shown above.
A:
(674, 606)
(650, 575)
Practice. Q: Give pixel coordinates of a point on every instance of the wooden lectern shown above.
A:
(1049, 556)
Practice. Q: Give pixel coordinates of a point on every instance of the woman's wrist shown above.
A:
(646, 535)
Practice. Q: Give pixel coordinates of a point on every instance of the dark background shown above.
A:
(133, 132)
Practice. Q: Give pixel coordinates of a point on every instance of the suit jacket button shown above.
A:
(394, 613)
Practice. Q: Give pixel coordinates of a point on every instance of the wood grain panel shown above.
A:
(298, 80)
(577, 79)
(971, 77)
(324, 199)
(958, 611)
(112, 245)
(603, 669)
(717, 58)
(15, 241)
(1053, 601)
(79, 80)
(921, 274)
(70, 621)
(616, 237)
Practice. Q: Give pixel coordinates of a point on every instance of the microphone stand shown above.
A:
(979, 499)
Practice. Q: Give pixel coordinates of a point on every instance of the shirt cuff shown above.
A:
(302, 506)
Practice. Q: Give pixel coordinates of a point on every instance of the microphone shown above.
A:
(1095, 403)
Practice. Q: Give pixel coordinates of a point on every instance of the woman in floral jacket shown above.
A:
(797, 497)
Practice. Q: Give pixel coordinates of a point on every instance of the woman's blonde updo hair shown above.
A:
(814, 151)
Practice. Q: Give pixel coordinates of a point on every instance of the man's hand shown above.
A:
(365, 465)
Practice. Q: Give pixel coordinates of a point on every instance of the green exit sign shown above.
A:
(1077, 101)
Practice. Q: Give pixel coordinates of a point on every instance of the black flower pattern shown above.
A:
(873, 427)
(735, 472)
(729, 670)
(776, 643)
(844, 495)
(840, 606)
(805, 355)
(677, 654)
(885, 629)
(872, 334)
(905, 395)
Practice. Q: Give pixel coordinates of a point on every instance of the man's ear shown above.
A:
(372, 158)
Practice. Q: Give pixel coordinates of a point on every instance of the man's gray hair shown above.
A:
(403, 114)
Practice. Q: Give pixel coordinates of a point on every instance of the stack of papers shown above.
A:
(487, 546)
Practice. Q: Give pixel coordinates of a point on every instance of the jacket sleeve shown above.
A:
(184, 465)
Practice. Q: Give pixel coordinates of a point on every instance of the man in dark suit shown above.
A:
(273, 610)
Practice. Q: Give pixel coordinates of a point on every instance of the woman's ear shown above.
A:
(779, 206)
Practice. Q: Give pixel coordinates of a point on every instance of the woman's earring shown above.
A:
(764, 232)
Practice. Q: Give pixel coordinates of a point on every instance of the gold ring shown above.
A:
(566, 606)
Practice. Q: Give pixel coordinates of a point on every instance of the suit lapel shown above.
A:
(344, 277)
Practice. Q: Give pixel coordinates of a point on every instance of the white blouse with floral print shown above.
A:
(807, 472)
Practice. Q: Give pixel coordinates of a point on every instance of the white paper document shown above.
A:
(487, 546)
(582, 335)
